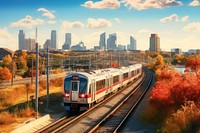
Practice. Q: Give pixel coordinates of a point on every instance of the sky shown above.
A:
(177, 22)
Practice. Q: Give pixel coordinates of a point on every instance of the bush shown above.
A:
(7, 118)
(57, 71)
(185, 120)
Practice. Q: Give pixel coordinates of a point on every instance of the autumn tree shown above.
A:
(5, 74)
(8, 61)
(193, 64)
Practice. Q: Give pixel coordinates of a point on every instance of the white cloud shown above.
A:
(46, 13)
(192, 27)
(98, 23)
(117, 20)
(173, 17)
(111, 4)
(51, 22)
(27, 22)
(7, 40)
(147, 4)
(184, 19)
(75, 24)
(194, 3)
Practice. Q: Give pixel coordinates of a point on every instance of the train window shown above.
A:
(100, 84)
(125, 75)
(82, 85)
(74, 86)
(132, 73)
(116, 79)
(67, 85)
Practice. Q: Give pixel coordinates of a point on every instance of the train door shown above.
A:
(74, 90)
(93, 90)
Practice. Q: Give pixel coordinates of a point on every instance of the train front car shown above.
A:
(75, 92)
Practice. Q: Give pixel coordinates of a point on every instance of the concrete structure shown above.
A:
(4, 52)
(193, 51)
(102, 41)
(79, 47)
(67, 43)
(21, 37)
(29, 44)
(121, 47)
(132, 44)
(53, 39)
(112, 42)
(176, 51)
(154, 43)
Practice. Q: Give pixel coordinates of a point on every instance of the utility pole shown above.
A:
(37, 77)
(32, 71)
(12, 71)
(47, 85)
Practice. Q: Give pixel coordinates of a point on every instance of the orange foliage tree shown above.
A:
(173, 89)
(115, 64)
(5, 74)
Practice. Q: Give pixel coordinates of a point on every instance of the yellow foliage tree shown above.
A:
(8, 61)
(159, 64)
(5, 74)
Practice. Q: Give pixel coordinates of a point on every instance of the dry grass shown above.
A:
(27, 112)
(7, 118)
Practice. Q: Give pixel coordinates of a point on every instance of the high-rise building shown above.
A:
(67, 43)
(132, 43)
(47, 43)
(21, 38)
(154, 43)
(111, 42)
(53, 39)
(29, 44)
(102, 41)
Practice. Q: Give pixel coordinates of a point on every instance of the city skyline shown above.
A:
(124, 17)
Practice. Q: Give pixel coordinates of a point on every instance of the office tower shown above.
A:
(29, 44)
(132, 43)
(111, 42)
(102, 41)
(47, 43)
(154, 43)
(21, 38)
(67, 43)
(53, 39)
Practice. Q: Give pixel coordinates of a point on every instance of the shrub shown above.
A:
(57, 71)
(185, 120)
(6, 118)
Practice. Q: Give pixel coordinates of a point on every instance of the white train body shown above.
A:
(82, 90)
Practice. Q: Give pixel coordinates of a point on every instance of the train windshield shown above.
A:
(83, 85)
(70, 83)
(67, 84)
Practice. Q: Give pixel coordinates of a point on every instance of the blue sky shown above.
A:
(177, 22)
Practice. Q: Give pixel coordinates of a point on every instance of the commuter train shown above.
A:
(82, 89)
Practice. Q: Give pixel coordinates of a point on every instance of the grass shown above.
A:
(13, 100)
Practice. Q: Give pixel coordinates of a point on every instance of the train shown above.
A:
(83, 89)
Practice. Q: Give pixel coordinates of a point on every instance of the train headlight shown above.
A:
(82, 95)
(66, 95)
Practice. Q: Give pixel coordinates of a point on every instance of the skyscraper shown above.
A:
(47, 43)
(154, 43)
(67, 43)
(29, 44)
(102, 41)
(53, 39)
(132, 43)
(21, 38)
(112, 42)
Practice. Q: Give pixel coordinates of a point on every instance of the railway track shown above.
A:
(83, 122)
(115, 119)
